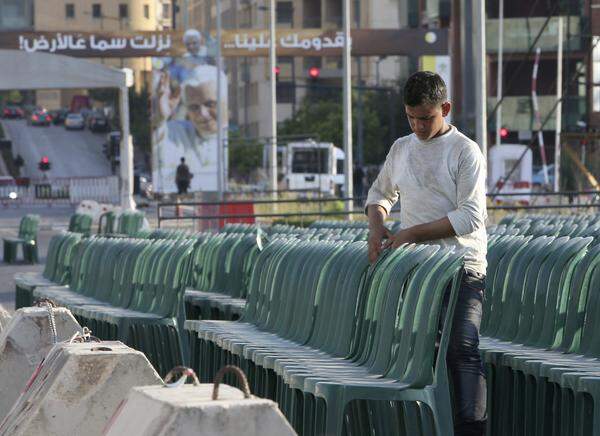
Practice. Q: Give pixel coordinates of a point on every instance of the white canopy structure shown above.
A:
(21, 71)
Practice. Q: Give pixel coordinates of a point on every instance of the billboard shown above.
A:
(184, 118)
(235, 42)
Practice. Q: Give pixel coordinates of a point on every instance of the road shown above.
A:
(71, 153)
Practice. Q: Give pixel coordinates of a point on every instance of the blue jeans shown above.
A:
(465, 366)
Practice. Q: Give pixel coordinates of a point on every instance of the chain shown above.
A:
(50, 305)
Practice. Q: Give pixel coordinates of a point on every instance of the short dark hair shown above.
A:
(182, 159)
(425, 87)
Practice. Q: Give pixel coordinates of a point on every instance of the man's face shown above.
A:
(201, 105)
(193, 45)
(426, 120)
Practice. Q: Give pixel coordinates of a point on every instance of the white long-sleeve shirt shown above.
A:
(441, 177)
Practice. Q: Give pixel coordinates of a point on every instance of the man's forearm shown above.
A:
(439, 229)
(377, 215)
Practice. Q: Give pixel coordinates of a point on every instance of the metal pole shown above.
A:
(537, 115)
(220, 163)
(347, 95)
(186, 14)
(480, 77)
(559, 62)
(500, 65)
(272, 84)
(126, 153)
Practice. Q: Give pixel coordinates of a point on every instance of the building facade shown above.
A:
(89, 16)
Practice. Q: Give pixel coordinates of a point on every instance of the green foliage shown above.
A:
(14, 96)
(245, 156)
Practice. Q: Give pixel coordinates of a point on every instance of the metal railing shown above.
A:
(187, 210)
(71, 190)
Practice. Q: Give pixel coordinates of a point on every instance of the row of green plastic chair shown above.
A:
(220, 272)
(557, 225)
(540, 341)
(56, 269)
(339, 344)
(222, 265)
(26, 239)
(129, 290)
(548, 218)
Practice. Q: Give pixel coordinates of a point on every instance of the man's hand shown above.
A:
(376, 241)
(405, 236)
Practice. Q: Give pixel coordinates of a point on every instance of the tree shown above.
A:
(245, 156)
(322, 116)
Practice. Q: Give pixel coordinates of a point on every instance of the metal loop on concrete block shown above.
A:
(45, 302)
(240, 375)
(85, 336)
(185, 373)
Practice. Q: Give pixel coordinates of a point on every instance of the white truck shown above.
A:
(311, 165)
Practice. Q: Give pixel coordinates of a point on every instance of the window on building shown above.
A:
(147, 11)
(97, 10)
(285, 13)
(123, 10)
(286, 92)
(70, 10)
(166, 10)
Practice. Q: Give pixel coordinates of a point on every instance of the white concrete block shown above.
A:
(24, 343)
(77, 389)
(189, 410)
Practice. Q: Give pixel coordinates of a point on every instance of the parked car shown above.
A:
(11, 111)
(40, 118)
(97, 122)
(74, 121)
(58, 116)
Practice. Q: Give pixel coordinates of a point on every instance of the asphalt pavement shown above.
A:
(72, 153)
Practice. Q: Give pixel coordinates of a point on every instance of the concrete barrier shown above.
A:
(190, 410)
(24, 343)
(77, 389)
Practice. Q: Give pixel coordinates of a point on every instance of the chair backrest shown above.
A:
(28, 227)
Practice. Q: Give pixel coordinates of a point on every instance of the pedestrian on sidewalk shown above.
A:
(183, 177)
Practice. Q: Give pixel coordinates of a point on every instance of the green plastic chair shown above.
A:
(26, 239)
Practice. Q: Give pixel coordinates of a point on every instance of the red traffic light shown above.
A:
(277, 71)
(45, 159)
(314, 72)
(503, 132)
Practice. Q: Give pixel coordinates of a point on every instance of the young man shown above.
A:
(438, 176)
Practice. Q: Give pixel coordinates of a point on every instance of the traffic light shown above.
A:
(314, 72)
(277, 70)
(44, 164)
(503, 132)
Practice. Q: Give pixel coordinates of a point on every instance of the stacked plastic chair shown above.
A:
(26, 239)
(539, 327)
(56, 271)
(220, 269)
(80, 223)
(347, 347)
(130, 290)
